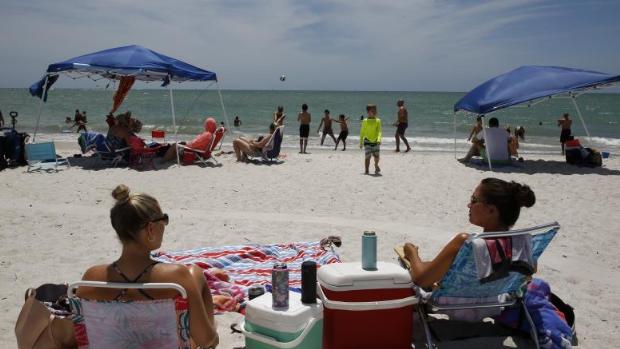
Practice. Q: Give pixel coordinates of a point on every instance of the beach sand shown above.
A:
(55, 225)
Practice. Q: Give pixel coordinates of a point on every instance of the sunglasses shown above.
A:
(164, 218)
(474, 200)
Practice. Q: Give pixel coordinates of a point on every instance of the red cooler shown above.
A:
(365, 309)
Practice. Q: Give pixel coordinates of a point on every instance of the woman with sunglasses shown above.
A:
(494, 206)
(140, 223)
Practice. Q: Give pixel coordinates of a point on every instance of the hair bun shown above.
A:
(121, 194)
(524, 195)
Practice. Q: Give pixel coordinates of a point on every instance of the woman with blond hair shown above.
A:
(140, 224)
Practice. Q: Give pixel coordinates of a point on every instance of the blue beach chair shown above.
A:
(462, 283)
(42, 156)
(271, 151)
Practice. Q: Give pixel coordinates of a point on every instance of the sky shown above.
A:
(388, 45)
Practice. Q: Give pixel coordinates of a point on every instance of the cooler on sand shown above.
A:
(300, 326)
(366, 309)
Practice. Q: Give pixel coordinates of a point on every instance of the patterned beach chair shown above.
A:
(161, 323)
(461, 289)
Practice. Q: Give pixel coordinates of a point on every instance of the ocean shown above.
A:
(430, 115)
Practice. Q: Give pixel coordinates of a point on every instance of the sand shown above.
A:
(55, 225)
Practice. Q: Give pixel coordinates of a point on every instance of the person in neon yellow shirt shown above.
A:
(370, 137)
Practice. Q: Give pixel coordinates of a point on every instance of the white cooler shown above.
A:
(300, 326)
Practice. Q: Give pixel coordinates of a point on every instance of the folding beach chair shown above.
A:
(43, 156)
(271, 150)
(110, 153)
(161, 323)
(462, 289)
(201, 156)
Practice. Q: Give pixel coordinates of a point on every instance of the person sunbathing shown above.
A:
(494, 206)
(248, 147)
(140, 223)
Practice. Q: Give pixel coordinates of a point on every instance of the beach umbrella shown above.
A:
(127, 63)
(531, 84)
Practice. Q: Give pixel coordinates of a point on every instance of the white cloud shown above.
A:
(388, 45)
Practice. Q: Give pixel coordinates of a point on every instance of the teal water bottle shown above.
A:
(369, 250)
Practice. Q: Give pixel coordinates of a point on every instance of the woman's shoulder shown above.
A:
(170, 272)
(96, 273)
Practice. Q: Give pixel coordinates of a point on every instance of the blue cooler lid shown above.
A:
(351, 276)
(259, 312)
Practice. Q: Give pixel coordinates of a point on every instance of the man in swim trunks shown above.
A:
(326, 122)
(344, 132)
(401, 125)
(565, 123)
(304, 119)
(370, 137)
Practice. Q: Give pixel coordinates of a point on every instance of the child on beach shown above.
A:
(326, 122)
(304, 119)
(370, 137)
(278, 116)
(344, 132)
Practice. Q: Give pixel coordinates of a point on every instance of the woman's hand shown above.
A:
(411, 251)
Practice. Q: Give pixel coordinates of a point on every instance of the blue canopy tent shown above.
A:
(128, 61)
(527, 84)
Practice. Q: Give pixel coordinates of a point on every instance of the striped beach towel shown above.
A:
(248, 265)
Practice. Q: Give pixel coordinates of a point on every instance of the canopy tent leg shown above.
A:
(222, 104)
(574, 99)
(36, 128)
(454, 129)
(174, 121)
(486, 145)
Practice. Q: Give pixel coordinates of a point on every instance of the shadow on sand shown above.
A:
(544, 166)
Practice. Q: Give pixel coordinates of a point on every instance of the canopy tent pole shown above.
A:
(36, 128)
(486, 143)
(222, 104)
(574, 99)
(174, 121)
(454, 128)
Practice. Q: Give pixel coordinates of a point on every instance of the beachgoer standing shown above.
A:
(370, 137)
(304, 119)
(401, 125)
(326, 122)
(278, 116)
(565, 123)
(237, 121)
(344, 132)
(1, 119)
(79, 120)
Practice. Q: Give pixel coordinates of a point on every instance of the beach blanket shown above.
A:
(231, 270)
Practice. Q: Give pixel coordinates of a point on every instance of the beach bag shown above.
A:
(554, 319)
(43, 321)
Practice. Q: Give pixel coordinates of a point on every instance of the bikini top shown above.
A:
(133, 281)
